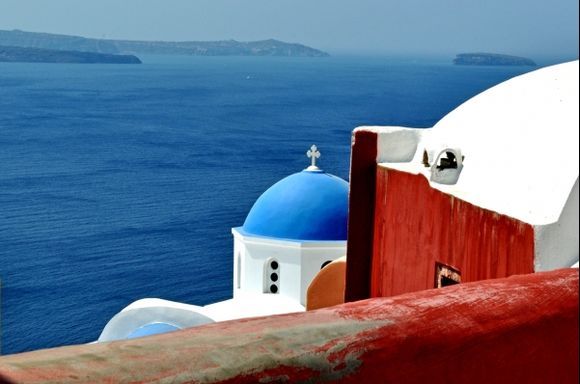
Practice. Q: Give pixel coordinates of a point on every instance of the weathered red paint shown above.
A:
(416, 226)
(522, 329)
(361, 213)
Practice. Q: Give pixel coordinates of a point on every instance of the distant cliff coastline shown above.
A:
(270, 47)
(40, 55)
(491, 59)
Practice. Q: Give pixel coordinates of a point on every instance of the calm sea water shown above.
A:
(122, 182)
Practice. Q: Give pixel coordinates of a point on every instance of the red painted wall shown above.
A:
(523, 329)
(416, 225)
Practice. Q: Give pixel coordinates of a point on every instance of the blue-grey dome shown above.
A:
(308, 205)
(152, 329)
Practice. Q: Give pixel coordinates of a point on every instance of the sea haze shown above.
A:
(122, 182)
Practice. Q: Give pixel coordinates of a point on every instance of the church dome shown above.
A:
(308, 205)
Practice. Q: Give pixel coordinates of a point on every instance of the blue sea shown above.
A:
(121, 182)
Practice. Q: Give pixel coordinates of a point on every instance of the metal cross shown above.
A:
(313, 154)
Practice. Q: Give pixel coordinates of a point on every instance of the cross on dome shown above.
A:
(313, 154)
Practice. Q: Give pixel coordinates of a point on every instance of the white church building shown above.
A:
(293, 230)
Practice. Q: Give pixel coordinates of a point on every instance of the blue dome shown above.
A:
(152, 329)
(308, 205)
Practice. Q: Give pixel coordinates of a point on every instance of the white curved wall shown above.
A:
(519, 139)
(557, 244)
(146, 311)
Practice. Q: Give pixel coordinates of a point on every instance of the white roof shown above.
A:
(519, 139)
(248, 304)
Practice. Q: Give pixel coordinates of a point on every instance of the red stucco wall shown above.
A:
(523, 329)
(416, 226)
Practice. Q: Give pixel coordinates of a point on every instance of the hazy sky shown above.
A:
(525, 27)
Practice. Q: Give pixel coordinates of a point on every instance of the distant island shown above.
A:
(491, 59)
(40, 55)
(17, 38)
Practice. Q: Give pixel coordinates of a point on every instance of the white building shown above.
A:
(489, 191)
(293, 230)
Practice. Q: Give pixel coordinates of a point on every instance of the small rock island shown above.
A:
(491, 59)
(10, 54)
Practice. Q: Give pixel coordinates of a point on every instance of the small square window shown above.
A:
(446, 275)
